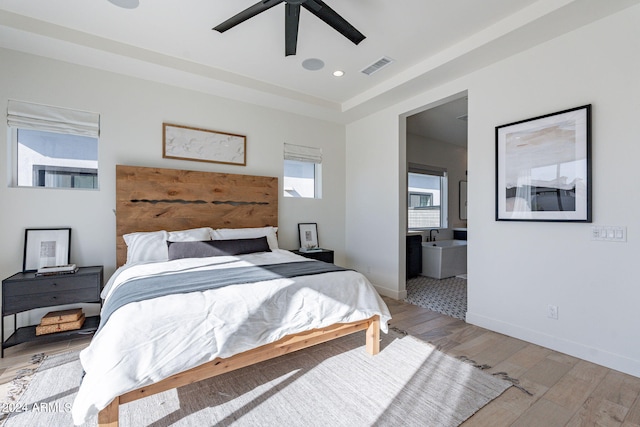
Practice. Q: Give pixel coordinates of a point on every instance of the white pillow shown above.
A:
(192, 235)
(152, 246)
(146, 246)
(247, 233)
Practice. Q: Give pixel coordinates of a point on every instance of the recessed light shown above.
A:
(313, 64)
(338, 73)
(127, 4)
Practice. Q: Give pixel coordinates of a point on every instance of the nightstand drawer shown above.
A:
(18, 303)
(49, 284)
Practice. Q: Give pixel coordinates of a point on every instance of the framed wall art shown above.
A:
(202, 145)
(543, 168)
(462, 198)
(46, 247)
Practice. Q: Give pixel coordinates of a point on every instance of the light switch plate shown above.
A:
(609, 233)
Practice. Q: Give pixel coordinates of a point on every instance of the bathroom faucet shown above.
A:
(431, 238)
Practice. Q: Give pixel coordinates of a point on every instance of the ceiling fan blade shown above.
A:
(249, 12)
(332, 18)
(291, 21)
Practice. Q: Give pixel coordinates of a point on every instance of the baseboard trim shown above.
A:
(596, 355)
(391, 293)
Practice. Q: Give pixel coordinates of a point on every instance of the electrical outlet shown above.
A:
(552, 311)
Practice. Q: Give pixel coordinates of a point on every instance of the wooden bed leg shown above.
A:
(108, 417)
(373, 336)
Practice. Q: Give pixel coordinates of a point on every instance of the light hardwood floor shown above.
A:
(19, 358)
(565, 391)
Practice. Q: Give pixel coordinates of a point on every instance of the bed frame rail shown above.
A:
(108, 417)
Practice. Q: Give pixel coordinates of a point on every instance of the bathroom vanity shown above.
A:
(414, 255)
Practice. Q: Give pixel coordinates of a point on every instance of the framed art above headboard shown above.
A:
(151, 199)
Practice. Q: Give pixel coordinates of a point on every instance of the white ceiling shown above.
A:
(172, 41)
(445, 123)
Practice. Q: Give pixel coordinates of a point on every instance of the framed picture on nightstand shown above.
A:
(308, 236)
(46, 247)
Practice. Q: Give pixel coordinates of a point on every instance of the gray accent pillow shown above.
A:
(208, 248)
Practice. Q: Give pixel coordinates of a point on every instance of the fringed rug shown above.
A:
(446, 296)
(409, 383)
(18, 385)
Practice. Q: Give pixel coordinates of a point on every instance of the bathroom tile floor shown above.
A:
(446, 296)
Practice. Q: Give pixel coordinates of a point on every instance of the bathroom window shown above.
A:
(420, 200)
(426, 197)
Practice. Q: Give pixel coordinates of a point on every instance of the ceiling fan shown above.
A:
(292, 18)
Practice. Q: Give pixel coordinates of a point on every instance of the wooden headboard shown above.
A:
(151, 199)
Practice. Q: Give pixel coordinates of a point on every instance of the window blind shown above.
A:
(25, 115)
(427, 170)
(301, 153)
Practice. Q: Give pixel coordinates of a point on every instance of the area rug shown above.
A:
(408, 383)
(446, 296)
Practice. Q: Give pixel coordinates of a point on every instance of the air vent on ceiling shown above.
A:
(378, 65)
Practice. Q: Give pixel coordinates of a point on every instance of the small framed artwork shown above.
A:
(202, 145)
(308, 236)
(463, 200)
(46, 247)
(543, 168)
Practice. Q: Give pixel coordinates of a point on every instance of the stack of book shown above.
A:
(311, 249)
(59, 321)
(57, 269)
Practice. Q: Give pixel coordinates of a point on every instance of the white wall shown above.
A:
(516, 269)
(373, 202)
(132, 112)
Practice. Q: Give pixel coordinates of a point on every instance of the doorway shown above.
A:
(436, 140)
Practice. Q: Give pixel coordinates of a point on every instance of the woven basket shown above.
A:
(60, 327)
(62, 316)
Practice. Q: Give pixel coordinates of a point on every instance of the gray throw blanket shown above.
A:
(193, 281)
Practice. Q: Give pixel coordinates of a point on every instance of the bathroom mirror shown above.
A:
(463, 200)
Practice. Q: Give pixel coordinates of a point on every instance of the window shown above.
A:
(302, 171)
(53, 147)
(420, 200)
(426, 197)
(52, 176)
(48, 159)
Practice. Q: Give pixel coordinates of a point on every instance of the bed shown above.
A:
(245, 301)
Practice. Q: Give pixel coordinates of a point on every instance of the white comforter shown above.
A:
(148, 341)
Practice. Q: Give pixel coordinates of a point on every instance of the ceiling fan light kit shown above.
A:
(292, 19)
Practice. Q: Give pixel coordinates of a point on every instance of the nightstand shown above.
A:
(26, 291)
(325, 255)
